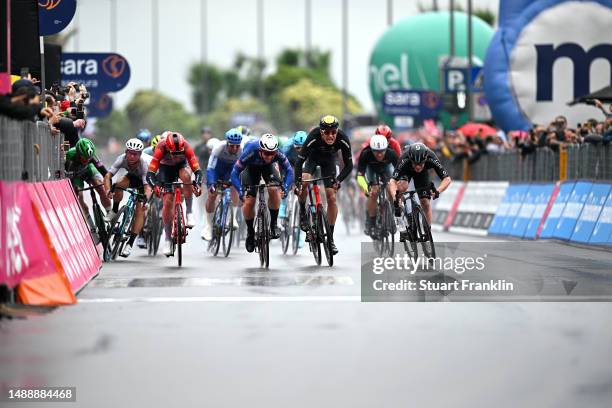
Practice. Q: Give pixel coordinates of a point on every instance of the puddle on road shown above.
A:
(174, 282)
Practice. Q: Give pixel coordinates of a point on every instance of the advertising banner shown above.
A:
(55, 15)
(99, 72)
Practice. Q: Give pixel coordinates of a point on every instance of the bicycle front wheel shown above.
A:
(180, 232)
(423, 232)
(389, 228)
(215, 239)
(100, 224)
(228, 228)
(325, 234)
(295, 227)
(315, 244)
(116, 232)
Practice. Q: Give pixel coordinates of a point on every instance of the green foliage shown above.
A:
(306, 101)
(219, 119)
(205, 79)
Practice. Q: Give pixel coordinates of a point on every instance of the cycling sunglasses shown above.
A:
(268, 154)
(330, 131)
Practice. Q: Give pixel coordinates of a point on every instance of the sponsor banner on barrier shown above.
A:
(590, 213)
(502, 211)
(23, 251)
(478, 205)
(572, 210)
(602, 233)
(444, 204)
(518, 225)
(72, 223)
(542, 200)
(565, 189)
(516, 200)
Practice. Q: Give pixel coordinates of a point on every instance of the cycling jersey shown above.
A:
(140, 170)
(289, 151)
(148, 150)
(220, 164)
(320, 153)
(250, 158)
(367, 159)
(162, 156)
(405, 169)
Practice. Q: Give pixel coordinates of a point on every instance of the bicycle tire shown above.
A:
(295, 227)
(215, 239)
(149, 230)
(389, 228)
(285, 233)
(377, 232)
(180, 230)
(425, 237)
(100, 224)
(228, 228)
(116, 233)
(314, 243)
(324, 232)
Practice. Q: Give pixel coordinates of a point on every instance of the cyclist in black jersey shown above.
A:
(415, 163)
(320, 149)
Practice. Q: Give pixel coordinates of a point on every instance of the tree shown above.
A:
(116, 125)
(306, 102)
(221, 118)
(206, 82)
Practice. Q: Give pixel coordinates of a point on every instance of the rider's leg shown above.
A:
(167, 214)
(371, 204)
(185, 176)
(426, 204)
(118, 194)
(274, 199)
(99, 186)
(209, 208)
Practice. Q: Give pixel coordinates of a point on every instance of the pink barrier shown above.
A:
(24, 253)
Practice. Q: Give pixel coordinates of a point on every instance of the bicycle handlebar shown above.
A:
(314, 180)
(89, 188)
(128, 190)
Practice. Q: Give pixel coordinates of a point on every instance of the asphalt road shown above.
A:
(222, 332)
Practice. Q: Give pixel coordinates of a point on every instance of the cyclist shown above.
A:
(291, 149)
(385, 131)
(375, 160)
(136, 163)
(144, 135)
(82, 164)
(149, 150)
(220, 166)
(320, 148)
(256, 162)
(171, 159)
(415, 163)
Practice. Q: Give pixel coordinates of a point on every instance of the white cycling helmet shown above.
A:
(378, 143)
(134, 145)
(268, 142)
(212, 143)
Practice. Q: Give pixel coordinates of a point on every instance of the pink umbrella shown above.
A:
(473, 129)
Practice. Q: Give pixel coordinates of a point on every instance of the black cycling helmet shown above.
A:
(329, 122)
(417, 153)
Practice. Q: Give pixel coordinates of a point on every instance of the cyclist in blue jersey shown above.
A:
(291, 149)
(220, 165)
(257, 162)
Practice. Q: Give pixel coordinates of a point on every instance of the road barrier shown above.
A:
(477, 207)
(47, 251)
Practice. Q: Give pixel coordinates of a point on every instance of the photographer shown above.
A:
(71, 110)
(23, 103)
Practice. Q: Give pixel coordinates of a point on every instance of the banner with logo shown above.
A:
(545, 54)
(99, 72)
(23, 253)
(54, 15)
(99, 106)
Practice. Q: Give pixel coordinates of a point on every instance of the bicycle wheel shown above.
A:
(100, 224)
(295, 227)
(149, 232)
(389, 228)
(410, 244)
(315, 245)
(228, 228)
(180, 231)
(423, 232)
(116, 231)
(215, 239)
(285, 232)
(262, 238)
(158, 232)
(377, 231)
(325, 234)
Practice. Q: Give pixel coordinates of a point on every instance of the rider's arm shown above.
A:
(235, 176)
(345, 146)
(362, 164)
(108, 177)
(282, 159)
(304, 153)
(440, 171)
(192, 159)
(395, 145)
(158, 154)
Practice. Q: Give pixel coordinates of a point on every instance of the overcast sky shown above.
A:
(232, 29)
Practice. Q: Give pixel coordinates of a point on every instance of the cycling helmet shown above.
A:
(134, 145)
(417, 153)
(155, 141)
(299, 138)
(378, 143)
(329, 122)
(244, 130)
(233, 136)
(268, 143)
(144, 135)
(212, 143)
(175, 142)
(85, 148)
(384, 130)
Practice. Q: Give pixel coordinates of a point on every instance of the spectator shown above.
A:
(201, 150)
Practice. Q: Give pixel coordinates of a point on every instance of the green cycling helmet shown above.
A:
(85, 148)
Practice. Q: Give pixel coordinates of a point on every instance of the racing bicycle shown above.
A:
(318, 230)
(417, 229)
(223, 221)
(121, 224)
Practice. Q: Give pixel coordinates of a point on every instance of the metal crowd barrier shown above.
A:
(29, 151)
(586, 161)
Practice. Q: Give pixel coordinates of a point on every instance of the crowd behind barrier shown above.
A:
(29, 151)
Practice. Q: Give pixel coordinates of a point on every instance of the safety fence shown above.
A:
(593, 162)
(29, 151)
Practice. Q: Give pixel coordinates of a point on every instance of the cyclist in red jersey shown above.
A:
(172, 158)
(385, 131)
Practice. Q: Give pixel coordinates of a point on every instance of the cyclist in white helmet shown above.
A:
(136, 163)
